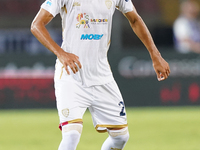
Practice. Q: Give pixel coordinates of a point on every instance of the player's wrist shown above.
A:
(59, 52)
(155, 54)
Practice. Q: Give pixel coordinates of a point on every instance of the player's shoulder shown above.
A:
(59, 3)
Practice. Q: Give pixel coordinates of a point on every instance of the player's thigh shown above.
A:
(108, 110)
(71, 97)
(72, 101)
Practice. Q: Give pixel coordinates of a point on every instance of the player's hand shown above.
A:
(161, 67)
(71, 60)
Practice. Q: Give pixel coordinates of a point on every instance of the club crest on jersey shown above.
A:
(83, 20)
(108, 3)
(76, 4)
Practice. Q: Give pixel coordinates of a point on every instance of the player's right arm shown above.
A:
(38, 28)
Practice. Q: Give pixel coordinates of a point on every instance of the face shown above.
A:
(194, 9)
(191, 9)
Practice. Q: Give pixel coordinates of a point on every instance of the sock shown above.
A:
(116, 140)
(71, 134)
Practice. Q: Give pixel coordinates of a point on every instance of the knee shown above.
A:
(73, 130)
(117, 139)
(120, 135)
(70, 136)
(72, 126)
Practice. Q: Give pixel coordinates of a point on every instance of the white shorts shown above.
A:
(105, 102)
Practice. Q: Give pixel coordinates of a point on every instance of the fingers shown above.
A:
(163, 75)
(168, 72)
(72, 63)
(73, 67)
(66, 68)
(79, 64)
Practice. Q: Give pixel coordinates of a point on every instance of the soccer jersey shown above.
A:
(86, 33)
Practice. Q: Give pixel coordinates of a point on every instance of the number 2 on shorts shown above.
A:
(122, 113)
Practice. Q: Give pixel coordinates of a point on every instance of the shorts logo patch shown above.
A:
(65, 112)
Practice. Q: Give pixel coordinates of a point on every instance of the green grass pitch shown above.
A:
(156, 128)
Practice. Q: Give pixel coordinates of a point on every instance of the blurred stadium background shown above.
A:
(27, 68)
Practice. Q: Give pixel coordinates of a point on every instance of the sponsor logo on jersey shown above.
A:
(83, 20)
(91, 36)
(49, 3)
(98, 20)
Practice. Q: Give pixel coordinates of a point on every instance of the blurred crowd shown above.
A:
(186, 28)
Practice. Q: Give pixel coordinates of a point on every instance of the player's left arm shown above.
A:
(161, 67)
